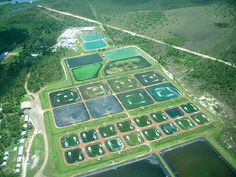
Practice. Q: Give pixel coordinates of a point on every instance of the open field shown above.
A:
(36, 155)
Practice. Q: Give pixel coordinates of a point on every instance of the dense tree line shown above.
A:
(38, 31)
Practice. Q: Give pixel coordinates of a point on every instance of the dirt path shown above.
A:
(141, 36)
(36, 117)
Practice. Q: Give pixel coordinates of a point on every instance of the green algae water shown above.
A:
(197, 159)
(146, 167)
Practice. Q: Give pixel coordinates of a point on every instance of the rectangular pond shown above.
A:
(197, 158)
(91, 37)
(146, 167)
(94, 45)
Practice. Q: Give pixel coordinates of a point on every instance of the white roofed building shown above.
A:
(91, 28)
(25, 105)
(20, 151)
(26, 118)
(19, 159)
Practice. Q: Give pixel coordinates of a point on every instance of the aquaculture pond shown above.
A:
(197, 158)
(145, 167)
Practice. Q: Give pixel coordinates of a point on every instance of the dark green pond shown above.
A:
(146, 167)
(197, 159)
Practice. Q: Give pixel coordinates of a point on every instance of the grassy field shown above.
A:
(208, 27)
(36, 155)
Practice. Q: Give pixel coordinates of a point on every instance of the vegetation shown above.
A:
(36, 35)
(87, 72)
(36, 155)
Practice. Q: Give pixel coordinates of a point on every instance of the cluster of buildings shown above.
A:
(69, 38)
(18, 150)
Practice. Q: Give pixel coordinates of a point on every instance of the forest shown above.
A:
(22, 38)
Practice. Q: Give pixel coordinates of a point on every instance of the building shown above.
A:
(26, 118)
(6, 153)
(19, 159)
(25, 105)
(68, 39)
(4, 164)
(20, 151)
(87, 28)
(23, 133)
(17, 170)
(5, 158)
(22, 141)
(18, 165)
(25, 125)
(15, 149)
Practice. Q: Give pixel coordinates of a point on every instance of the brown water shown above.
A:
(146, 167)
(197, 159)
